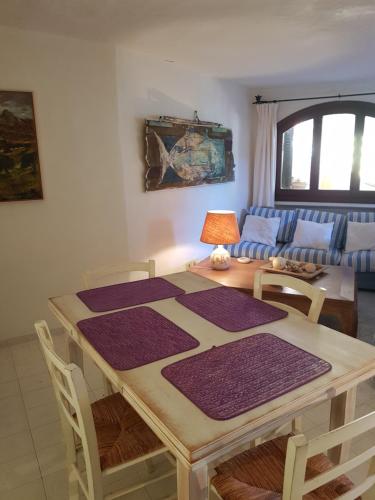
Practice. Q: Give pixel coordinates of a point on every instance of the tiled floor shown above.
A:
(31, 448)
(32, 454)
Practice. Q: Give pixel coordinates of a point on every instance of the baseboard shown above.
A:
(27, 338)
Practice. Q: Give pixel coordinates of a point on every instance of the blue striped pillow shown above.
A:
(361, 216)
(339, 227)
(287, 222)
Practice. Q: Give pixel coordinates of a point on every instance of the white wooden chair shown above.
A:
(315, 294)
(110, 274)
(258, 473)
(111, 434)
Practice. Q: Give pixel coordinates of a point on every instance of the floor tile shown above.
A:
(12, 416)
(37, 381)
(30, 491)
(52, 458)
(7, 368)
(319, 413)
(31, 366)
(19, 471)
(10, 388)
(42, 414)
(164, 488)
(15, 446)
(38, 397)
(47, 435)
(56, 485)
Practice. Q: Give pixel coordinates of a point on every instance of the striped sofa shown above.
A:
(362, 261)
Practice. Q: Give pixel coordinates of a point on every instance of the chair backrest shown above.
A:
(315, 294)
(109, 274)
(76, 416)
(299, 450)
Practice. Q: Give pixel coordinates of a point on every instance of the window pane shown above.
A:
(336, 156)
(367, 168)
(296, 156)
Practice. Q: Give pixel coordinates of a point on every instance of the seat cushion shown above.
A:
(315, 255)
(253, 250)
(258, 473)
(339, 220)
(287, 220)
(361, 261)
(121, 433)
(361, 216)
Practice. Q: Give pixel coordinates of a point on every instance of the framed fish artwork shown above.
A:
(181, 153)
(20, 177)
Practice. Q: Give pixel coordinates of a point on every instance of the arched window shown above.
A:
(326, 153)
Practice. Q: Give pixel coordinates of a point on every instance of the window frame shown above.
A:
(360, 109)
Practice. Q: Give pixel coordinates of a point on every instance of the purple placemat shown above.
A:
(135, 337)
(234, 378)
(230, 309)
(130, 294)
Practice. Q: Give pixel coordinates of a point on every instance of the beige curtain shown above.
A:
(265, 156)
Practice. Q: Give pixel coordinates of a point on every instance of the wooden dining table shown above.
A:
(195, 440)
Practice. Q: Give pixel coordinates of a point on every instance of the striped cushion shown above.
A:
(253, 250)
(337, 240)
(315, 255)
(287, 222)
(362, 261)
(361, 216)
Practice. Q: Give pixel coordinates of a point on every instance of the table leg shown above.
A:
(75, 353)
(342, 412)
(192, 484)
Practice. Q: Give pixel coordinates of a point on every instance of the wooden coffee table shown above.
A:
(339, 281)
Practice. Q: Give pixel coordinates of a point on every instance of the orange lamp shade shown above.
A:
(220, 228)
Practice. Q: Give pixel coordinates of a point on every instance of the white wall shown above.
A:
(81, 222)
(95, 210)
(166, 224)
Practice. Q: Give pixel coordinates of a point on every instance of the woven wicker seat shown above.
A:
(258, 473)
(121, 433)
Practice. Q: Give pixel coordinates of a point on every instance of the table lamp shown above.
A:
(220, 228)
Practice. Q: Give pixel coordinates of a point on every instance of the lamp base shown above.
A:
(220, 258)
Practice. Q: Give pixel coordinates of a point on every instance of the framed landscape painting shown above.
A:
(182, 153)
(20, 177)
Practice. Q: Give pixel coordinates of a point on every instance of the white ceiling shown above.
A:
(257, 42)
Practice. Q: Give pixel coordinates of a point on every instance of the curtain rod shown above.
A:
(258, 98)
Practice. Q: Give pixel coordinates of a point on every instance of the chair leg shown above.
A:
(297, 425)
(73, 487)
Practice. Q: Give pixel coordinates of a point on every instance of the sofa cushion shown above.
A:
(361, 261)
(287, 222)
(253, 250)
(338, 234)
(361, 216)
(315, 255)
(260, 229)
